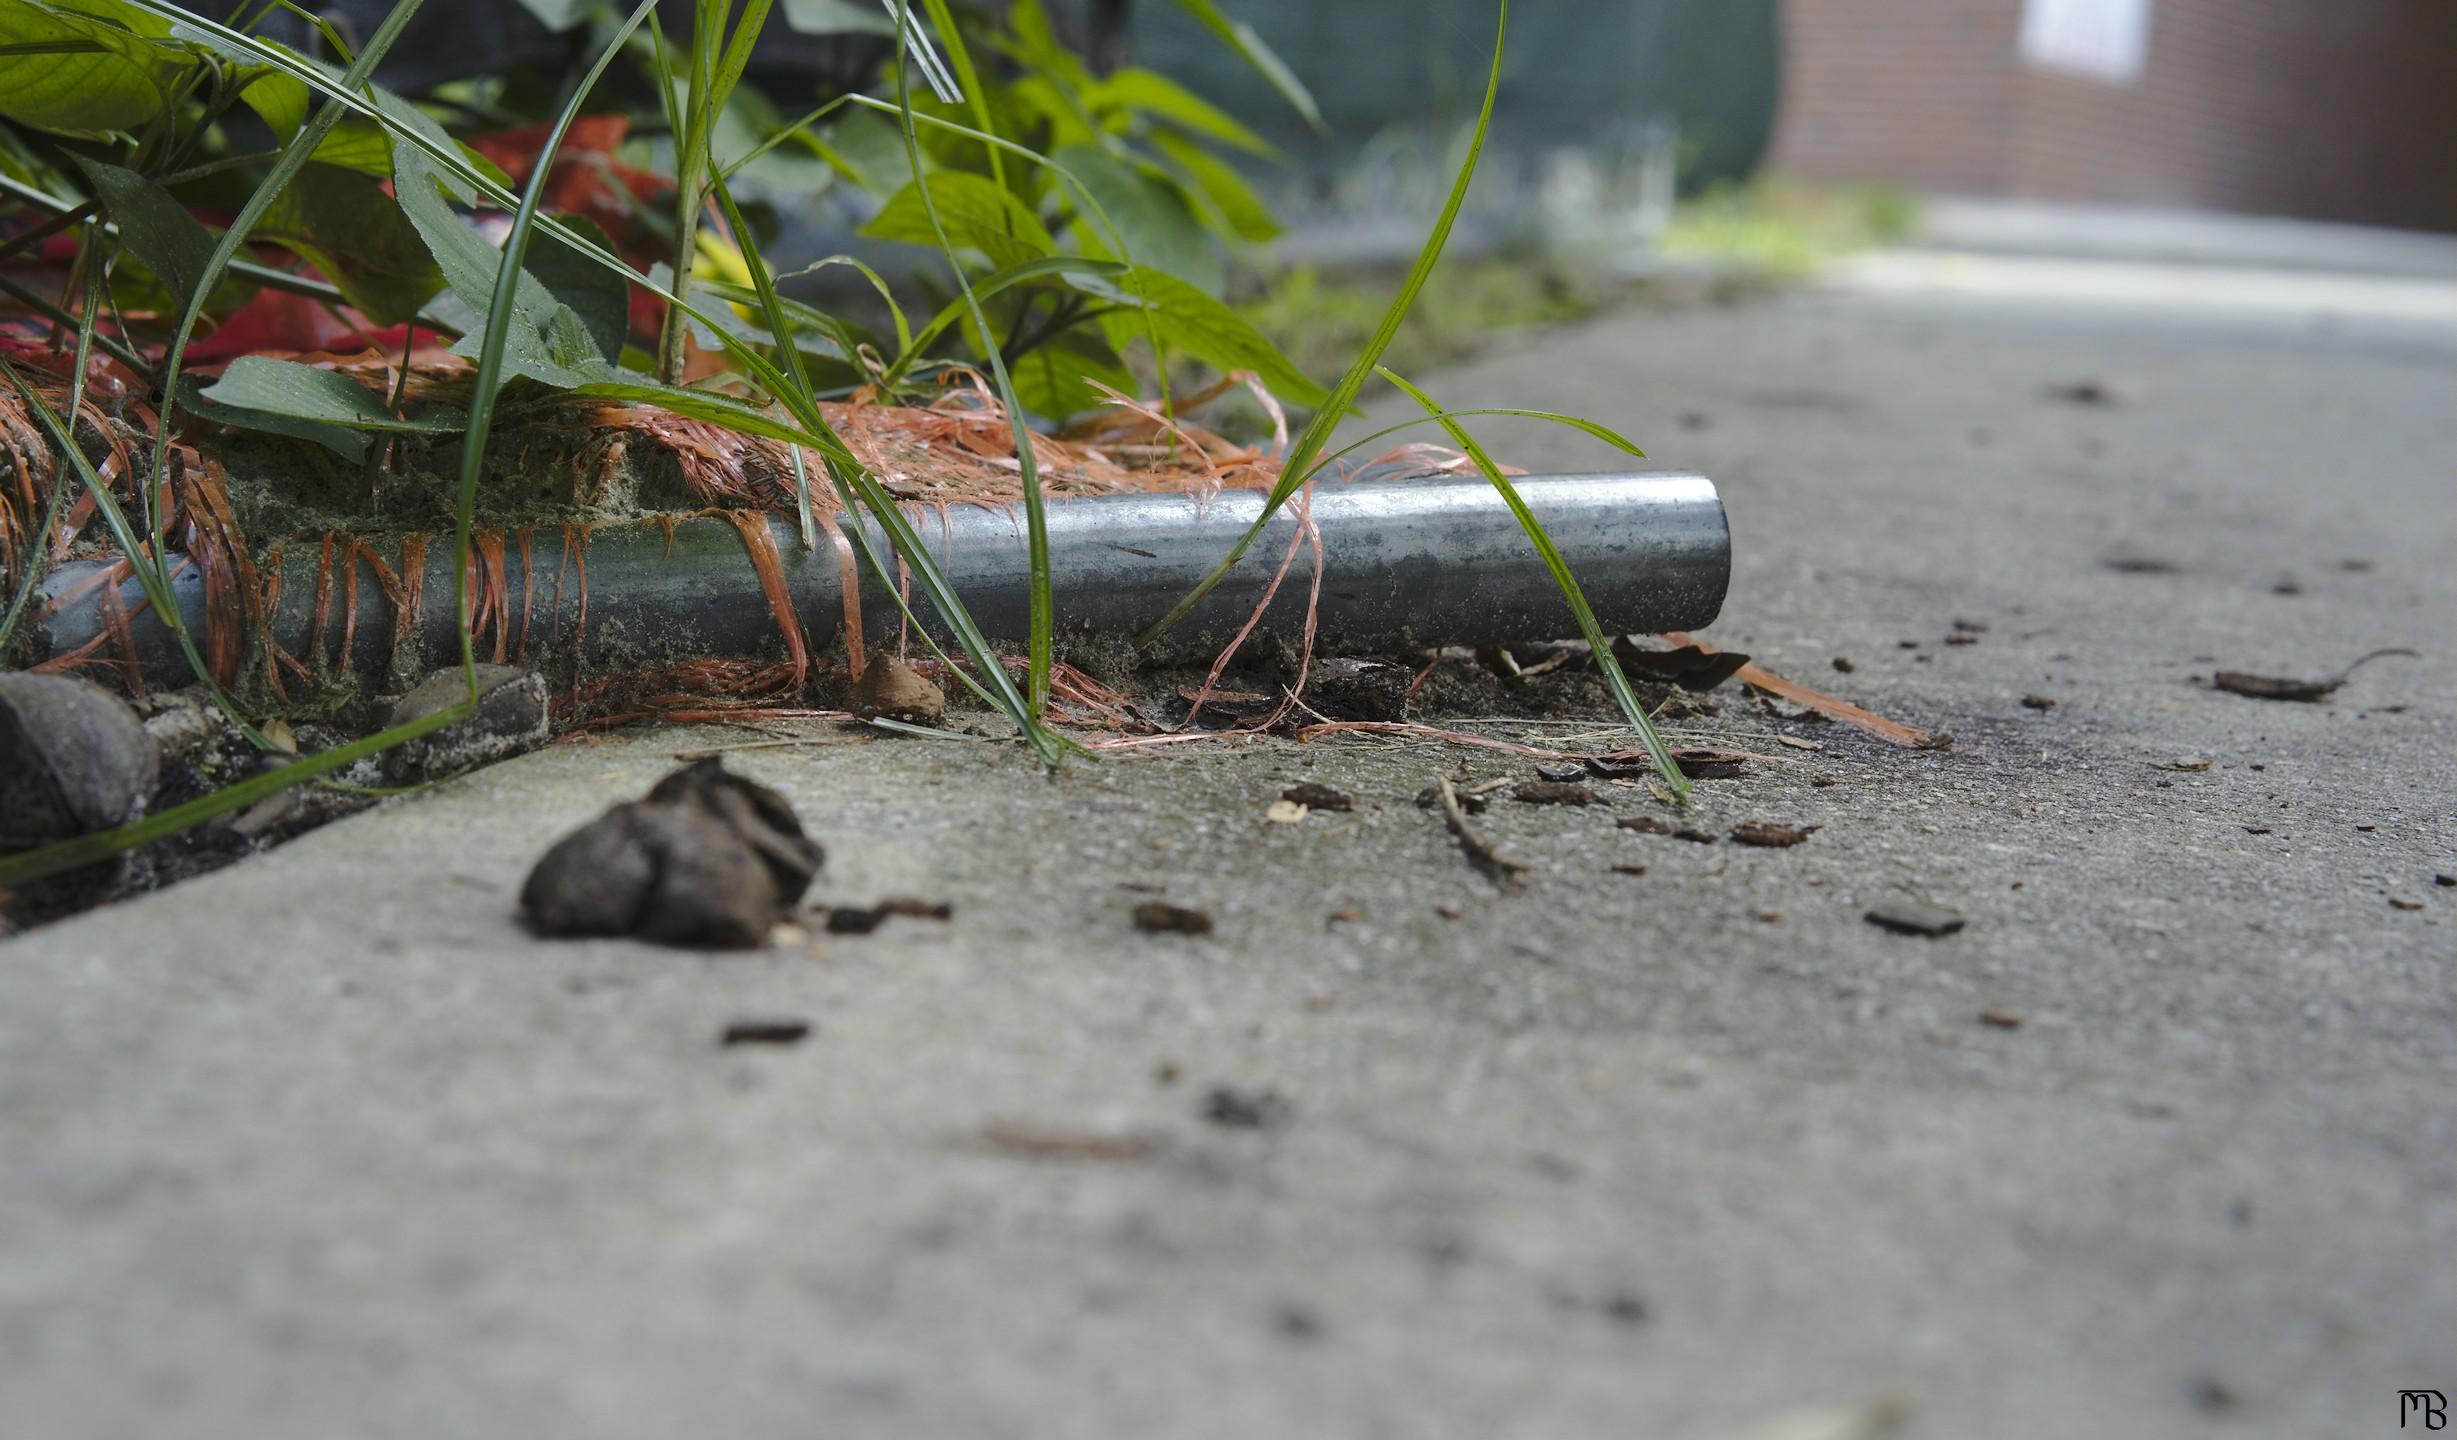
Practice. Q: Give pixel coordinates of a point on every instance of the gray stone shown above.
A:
(73, 759)
(510, 718)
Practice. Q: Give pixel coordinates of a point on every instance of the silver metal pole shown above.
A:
(1410, 560)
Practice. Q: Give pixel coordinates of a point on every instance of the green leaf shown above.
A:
(1598, 643)
(1151, 216)
(1240, 37)
(470, 265)
(1240, 211)
(72, 74)
(978, 213)
(1147, 92)
(305, 392)
(343, 223)
(601, 298)
(154, 226)
(1194, 322)
(1087, 272)
(1054, 378)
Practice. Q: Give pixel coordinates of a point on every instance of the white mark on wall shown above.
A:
(2106, 40)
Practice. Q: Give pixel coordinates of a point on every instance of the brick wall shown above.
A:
(2334, 109)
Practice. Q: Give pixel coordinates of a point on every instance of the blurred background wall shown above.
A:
(2329, 109)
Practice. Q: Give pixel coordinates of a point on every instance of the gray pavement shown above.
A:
(325, 1145)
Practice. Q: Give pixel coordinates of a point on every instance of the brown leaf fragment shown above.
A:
(2398, 903)
(2279, 687)
(1689, 665)
(1703, 762)
(1626, 869)
(2000, 1019)
(1553, 792)
(1159, 917)
(1649, 825)
(2037, 702)
(1799, 694)
(1915, 917)
(1770, 834)
(1794, 742)
(1316, 796)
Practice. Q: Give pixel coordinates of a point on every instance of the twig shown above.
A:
(1478, 848)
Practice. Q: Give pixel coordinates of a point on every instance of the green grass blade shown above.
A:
(1598, 643)
(1013, 275)
(33, 865)
(780, 326)
(976, 99)
(1317, 433)
(1241, 38)
(1039, 646)
(502, 314)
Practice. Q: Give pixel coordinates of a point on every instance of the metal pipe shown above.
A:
(1410, 559)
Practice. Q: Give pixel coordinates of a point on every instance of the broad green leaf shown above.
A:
(1054, 379)
(1153, 219)
(156, 228)
(1240, 211)
(1147, 92)
(72, 74)
(1087, 272)
(601, 298)
(1198, 325)
(978, 213)
(343, 223)
(305, 392)
(1240, 37)
(470, 264)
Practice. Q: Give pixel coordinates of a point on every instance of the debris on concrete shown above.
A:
(1315, 796)
(510, 718)
(2097, 393)
(1915, 917)
(764, 1032)
(1286, 812)
(1159, 917)
(2189, 763)
(862, 919)
(1354, 689)
(1236, 1109)
(2279, 687)
(1553, 792)
(1870, 1418)
(1036, 1143)
(1479, 849)
(706, 858)
(1769, 834)
(2000, 1019)
(73, 759)
(890, 689)
(1649, 825)
(1691, 666)
(2038, 702)
(2398, 903)
(1794, 742)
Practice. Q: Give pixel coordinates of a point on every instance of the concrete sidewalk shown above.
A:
(2159, 1145)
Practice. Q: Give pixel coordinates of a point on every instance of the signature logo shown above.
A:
(2431, 1405)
